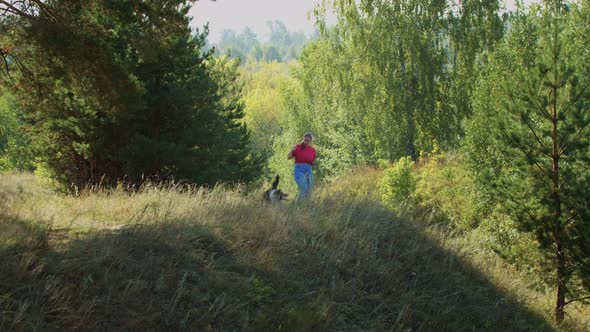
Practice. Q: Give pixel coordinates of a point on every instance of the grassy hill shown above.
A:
(176, 257)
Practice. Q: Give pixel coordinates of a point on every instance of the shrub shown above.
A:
(447, 193)
(398, 184)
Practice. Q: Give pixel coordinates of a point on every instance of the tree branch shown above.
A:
(577, 97)
(15, 10)
(540, 107)
(7, 10)
(564, 147)
(530, 126)
(503, 190)
(578, 299)
(4, 54)
(45, 8)
(24, 9)
(519, 147)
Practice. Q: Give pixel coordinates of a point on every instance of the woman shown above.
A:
(304, 155)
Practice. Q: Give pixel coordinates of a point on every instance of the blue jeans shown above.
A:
(304, 179)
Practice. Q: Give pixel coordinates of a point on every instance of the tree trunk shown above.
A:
(561, 285)
(557, 227)
(408, 104)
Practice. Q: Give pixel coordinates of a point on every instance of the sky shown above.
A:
(238, 14)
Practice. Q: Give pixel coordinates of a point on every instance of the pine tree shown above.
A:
(546, 139)
(122, 90)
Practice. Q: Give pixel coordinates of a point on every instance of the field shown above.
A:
(179, 257)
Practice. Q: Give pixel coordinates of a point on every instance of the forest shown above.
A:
(452, 184)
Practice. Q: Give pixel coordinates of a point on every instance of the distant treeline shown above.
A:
(282, 45)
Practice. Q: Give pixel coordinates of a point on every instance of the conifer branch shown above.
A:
(540, 107)
(544, 112)
(565, 146)
(530, 126)
(562, 149)
(519, 147)
(578, 96)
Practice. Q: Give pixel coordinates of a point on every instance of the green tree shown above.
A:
(323, 100)
(467, 51)
(398, 184)
(262, 98)
(380, 83)
(234, 158)
(120, 90)
(481, 143)
(539, 164)
(15, 145)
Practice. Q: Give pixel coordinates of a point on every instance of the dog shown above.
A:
(273, 194)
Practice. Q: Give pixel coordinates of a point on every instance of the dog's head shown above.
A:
(273, 194)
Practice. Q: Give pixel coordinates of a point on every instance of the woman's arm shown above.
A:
(314, 163)
(290, 155)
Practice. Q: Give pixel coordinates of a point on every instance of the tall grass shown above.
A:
(181, 257)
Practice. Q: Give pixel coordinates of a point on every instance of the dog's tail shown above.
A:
(275, 183)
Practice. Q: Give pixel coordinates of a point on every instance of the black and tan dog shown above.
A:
(273, 194)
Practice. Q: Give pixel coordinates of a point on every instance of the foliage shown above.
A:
(233, 158)
(112, 91)
(538, 164)
(311, 103)
(467, 52)
(438, 190)
(262, 103)
(15, 150)
(398, 184)
(445, 193)
(390, 79)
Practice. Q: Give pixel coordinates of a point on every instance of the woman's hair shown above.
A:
(303, 142)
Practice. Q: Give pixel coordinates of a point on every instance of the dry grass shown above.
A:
(170, 257)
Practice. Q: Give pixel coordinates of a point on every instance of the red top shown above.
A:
(305, 156)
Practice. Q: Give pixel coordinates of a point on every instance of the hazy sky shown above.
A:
(238, 14)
